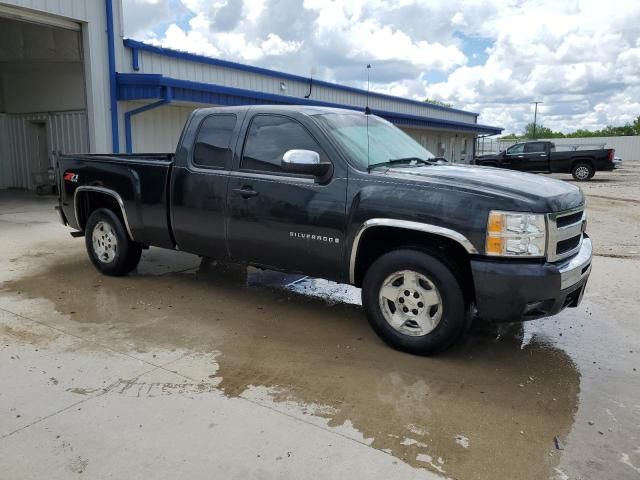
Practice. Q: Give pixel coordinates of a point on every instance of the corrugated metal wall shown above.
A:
(157, 130)
(151, 62)
(66, 133)
(76, 9)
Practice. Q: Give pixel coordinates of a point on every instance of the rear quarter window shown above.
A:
(213, 142)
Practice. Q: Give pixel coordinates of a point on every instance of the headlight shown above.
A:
(513, 234)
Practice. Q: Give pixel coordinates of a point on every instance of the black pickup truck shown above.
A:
(542, 157)
(344, 196)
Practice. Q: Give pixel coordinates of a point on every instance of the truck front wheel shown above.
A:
(108, 245)
(582, 171)
(414, 302)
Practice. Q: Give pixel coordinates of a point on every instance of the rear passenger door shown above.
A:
(536, 158)
(199, 190)
(282, 220)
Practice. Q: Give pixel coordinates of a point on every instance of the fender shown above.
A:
(406, 225)
(104, 191)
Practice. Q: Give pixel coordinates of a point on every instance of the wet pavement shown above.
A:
(196, 369)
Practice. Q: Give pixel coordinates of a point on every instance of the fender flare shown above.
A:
(404, 225)
(103, 191)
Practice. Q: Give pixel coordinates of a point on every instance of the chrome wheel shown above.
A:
(410, 303)
(105, 242)
(582, 172)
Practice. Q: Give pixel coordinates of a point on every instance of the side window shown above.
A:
(516, 149)
(212, 148)
(534, 147)
(269, 137)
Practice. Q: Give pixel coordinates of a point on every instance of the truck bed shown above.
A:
(137, 182)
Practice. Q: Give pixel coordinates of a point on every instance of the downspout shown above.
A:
(113, 99)
(127, 116)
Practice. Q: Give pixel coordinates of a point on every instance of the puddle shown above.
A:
(494, 403)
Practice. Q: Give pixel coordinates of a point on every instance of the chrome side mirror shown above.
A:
(306, 162)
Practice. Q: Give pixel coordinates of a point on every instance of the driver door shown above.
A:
(513, 158)
(281, 220)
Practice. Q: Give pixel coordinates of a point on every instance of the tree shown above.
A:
(540, 132)
(608, 131)
(437, 102)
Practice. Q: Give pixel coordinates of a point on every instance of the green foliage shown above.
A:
(437, 102)
(608, 131)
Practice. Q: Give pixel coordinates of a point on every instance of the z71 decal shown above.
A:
(70, 177)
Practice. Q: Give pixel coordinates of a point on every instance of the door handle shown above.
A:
(245, 192)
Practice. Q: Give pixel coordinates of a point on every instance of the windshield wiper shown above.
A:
(407, 160)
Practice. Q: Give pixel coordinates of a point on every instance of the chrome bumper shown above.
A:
(578, 266)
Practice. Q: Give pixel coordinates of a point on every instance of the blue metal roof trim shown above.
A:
(137, 86)
(167, 52)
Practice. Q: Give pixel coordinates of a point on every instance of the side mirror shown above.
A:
(306, 162)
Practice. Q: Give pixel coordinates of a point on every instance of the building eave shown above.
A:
(138, 86)
(137, 46)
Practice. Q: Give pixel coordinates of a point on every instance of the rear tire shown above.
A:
(109, 247)
(414, 302)
(582, 171)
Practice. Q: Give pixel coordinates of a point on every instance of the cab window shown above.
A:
(269, 137)
(213, 143)
(516, 149)
(534, 147)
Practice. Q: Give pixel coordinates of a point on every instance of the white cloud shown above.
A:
(582, 58)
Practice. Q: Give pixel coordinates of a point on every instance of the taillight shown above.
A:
(612, 154)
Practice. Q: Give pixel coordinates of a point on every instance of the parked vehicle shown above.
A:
(344, 196)
(542, 157)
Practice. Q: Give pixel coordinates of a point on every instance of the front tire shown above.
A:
(109, 247)
(414, 302)
(582, 171)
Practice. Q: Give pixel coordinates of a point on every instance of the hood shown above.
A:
(540, 193)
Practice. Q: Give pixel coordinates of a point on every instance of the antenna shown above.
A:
(367, 112)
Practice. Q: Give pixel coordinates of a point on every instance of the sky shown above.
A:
(494, 57)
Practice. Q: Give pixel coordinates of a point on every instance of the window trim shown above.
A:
(192, 154)
(280, 173)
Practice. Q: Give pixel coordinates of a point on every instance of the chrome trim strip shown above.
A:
(267, 176)
(105, 191)
(571, 272)
(407, 225)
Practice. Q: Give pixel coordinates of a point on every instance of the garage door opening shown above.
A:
(42, 100)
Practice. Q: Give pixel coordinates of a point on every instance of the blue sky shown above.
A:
(491, 56)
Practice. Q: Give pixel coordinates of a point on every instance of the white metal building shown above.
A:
(69, 82)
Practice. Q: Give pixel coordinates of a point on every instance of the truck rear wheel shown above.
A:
(414, 302)
(109, 247)
(582, 171)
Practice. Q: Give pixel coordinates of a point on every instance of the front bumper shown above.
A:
(507, 291)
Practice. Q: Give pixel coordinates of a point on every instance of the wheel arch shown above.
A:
(88, 198)
(588, 160)
(378, 236)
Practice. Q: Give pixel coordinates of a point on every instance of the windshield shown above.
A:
(386, 142)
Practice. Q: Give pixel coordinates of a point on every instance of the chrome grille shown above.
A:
(565, 233)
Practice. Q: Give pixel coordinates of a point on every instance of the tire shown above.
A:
(109, 247)
(582, 171)
(441, 316)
